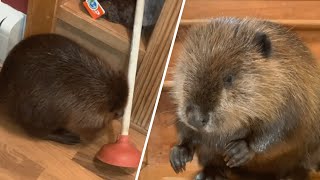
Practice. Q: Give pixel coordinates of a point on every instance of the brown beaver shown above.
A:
(57, 90)
(248, 101)
(123, 12)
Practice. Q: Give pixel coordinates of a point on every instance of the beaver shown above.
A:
(57, 90)
(247, 92)
(123, 12)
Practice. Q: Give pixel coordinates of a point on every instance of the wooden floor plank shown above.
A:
(23, 157)
(15, 165)
(270, 9)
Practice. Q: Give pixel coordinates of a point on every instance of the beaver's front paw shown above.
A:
(179, 156)
(237, 153)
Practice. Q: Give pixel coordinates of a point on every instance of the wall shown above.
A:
(20, 5)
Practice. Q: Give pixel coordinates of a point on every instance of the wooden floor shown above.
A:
(22, 157)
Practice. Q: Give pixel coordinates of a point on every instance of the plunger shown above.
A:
(123, 152)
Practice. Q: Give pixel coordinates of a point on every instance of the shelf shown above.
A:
(112, 34)
(292, 23)
(272, 9)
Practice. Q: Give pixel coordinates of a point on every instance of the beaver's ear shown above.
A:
(263, 42)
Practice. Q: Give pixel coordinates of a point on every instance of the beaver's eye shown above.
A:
(228, 80)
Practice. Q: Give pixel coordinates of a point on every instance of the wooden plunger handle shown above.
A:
(133, 61)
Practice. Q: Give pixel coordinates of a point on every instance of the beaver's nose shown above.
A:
(198, 122)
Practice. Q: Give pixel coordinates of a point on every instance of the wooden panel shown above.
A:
(114, 57)
(182, 32)
(294, 24)
(40, 16)
(151, 68)
(199, 9)
(114, 35)
(312, 40)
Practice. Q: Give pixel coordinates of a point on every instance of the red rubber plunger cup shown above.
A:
(121, 153)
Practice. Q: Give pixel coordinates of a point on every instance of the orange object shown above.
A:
(94, 8)
(122, 153)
